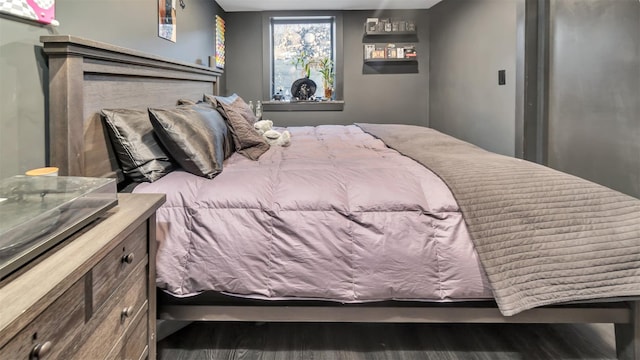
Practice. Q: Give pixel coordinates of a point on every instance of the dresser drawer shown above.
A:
(111, 322)
(52, 332)
(118, 264)
(134, 346)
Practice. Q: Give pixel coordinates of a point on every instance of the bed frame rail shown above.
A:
(426, 314)
(625, 317)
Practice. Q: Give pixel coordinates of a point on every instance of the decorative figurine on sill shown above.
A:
(278, 96)
(303, 88)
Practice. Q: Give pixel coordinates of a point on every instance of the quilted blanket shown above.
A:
(335, 216)
(543, 236)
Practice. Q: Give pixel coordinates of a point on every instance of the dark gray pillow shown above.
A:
(141, 156)
(194, 136)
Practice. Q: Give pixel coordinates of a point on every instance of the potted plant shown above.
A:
(303, 61)
(325, 68)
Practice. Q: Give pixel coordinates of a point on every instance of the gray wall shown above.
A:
(244, 55)
(470, 41)
(388, 98)
(22, 108)
(594, 91)
(24, 77)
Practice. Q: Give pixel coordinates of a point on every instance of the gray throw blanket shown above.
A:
(543, 236)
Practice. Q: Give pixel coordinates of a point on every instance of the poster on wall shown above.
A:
(42, 11)
(166, 19)
(219, 42)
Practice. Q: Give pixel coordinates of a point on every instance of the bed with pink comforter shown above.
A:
(336, 216)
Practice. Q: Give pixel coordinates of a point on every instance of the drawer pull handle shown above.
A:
(128, 259)
(41, 350)
(127, 312)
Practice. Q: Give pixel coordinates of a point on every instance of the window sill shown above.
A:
(337, 105)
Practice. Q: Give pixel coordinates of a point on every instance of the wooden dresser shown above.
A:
(92, 296)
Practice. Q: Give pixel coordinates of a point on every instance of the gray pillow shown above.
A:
(214, 99)
(141, 157)
(187, 102)
(246, 139)
(195, 137)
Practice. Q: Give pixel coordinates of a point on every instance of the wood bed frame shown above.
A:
(86, 76)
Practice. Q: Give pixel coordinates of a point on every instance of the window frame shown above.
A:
(267, 63)
(307, 20)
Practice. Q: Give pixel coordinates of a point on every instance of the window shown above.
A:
(299, 45)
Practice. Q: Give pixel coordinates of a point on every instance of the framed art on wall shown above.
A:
(42, 11)
(220, 42)
(167, 19)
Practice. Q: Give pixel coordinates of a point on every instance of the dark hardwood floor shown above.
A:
(320, 341)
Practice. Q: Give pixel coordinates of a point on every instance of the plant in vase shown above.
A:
(325, 68)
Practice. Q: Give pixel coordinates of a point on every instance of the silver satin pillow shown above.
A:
(195, 136)
(141, 157)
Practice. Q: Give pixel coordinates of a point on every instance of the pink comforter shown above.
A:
(335, 216)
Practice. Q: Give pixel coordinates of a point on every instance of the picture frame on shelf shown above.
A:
(371, 24)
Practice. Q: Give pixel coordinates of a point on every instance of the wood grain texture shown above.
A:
(137, 341)
(112, 270)
(65, 76)
(133, 343)
(108, 325)
(151, 287)
(282, 341)
(57, 325)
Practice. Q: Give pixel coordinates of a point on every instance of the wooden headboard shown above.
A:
(86, 76)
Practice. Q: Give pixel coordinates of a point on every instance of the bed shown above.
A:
(86, 77)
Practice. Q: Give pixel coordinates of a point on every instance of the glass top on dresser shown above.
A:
(37, 212)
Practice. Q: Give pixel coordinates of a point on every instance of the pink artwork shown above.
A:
(42, 11)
